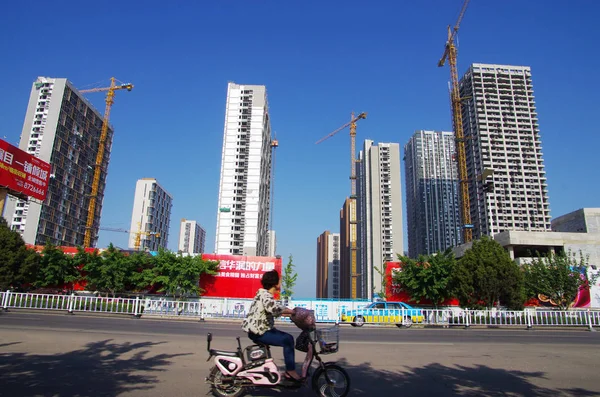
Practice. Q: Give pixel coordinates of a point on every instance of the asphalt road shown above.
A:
(81, 355)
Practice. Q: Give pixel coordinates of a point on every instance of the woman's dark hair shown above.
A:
(270, 279)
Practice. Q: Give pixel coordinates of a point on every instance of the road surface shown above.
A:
(82, 355)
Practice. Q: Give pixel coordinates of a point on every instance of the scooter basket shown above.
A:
(328, 340)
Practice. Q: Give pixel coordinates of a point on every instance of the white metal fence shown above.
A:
(350, 312)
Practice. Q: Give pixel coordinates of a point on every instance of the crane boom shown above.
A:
(353, 220)
(451, 56)
(138, 234)
(89, 229)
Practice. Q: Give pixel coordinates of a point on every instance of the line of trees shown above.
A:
(486, 276)
(109, 272)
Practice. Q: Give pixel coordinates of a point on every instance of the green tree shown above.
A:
(486, 276)
(18, 264)
(56, 269)
(178, 275)
(288, 280)
(141, 264)
(427, 278)
(557, 277)
(110, 272)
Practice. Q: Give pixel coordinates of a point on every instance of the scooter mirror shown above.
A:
(209, 337)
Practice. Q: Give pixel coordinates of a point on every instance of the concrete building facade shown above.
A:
(192, 237)
(62, 128)
(345, 273)
(328, 266)
(584, 220)
(505, 165)
(151, 215)
(244, 189)
(272, 242)
(379, 208)
(432, 193)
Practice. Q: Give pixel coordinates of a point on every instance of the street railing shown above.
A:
(70, 303)
(351, 312)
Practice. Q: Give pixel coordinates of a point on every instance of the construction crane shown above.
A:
(138, 234)
(110, 94)
(450, 55)
(353, 222)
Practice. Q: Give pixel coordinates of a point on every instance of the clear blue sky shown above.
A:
(320, 60)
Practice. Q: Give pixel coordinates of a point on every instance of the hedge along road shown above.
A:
(47, 354)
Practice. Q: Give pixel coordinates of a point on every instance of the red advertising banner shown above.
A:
(238, 276)
(23, 174)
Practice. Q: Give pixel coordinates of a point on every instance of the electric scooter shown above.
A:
(253, 366)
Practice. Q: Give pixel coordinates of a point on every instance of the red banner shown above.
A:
(238, 276)
(23, 174)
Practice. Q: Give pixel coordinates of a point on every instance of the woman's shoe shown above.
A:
(289, 376)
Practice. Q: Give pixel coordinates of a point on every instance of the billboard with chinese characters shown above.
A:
(23, 174)
(238, 276)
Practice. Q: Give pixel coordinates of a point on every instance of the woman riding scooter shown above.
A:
(260, 325)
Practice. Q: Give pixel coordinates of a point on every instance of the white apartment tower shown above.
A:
(432, 193)
(379, 208)
(192, 237)
(272, 239)
(508, 189)
(244, 189)
(151, 215)
(333, 266)
(62, 128)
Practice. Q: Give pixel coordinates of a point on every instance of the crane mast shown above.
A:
(353, 219)
(89, 225)
(450, 54)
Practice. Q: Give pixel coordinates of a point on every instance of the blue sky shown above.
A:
(320, 61)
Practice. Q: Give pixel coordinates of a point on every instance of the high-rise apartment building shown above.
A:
(151, 215)
(505, 166)
(328, 265)
(62, 128)
(432, 193)
(244, 189)
(192, 237)
(272, 242)
(379, 207)
(345, 251)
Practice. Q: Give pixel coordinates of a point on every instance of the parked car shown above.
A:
(399, 313)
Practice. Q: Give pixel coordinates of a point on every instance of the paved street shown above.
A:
(80, 355)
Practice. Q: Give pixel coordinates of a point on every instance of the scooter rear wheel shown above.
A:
(219, 389)
(337, 375)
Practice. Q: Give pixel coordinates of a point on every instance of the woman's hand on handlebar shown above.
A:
(286, 312)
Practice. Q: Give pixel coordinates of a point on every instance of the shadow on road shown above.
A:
(99, 369)
(440, 380)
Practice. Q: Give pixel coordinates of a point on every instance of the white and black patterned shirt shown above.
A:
(262, 312)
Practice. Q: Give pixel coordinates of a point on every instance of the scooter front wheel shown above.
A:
(219, 389)
(332, 381)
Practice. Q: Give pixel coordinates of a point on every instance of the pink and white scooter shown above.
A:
(253, 366)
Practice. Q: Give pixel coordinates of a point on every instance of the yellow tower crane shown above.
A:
(353, 221)
(450, 55)
(89, 225)
(138, 235)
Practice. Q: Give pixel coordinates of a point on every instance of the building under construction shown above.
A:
(505, 166)
(64, 129)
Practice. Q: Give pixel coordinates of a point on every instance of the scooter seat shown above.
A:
(214, 352)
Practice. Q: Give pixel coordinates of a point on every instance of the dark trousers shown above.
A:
(275, 337)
